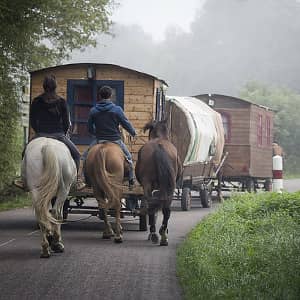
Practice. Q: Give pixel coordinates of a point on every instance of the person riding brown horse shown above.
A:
(103, 123)
(157, 169)
(104, 169)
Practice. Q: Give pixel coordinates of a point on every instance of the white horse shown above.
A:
(49, 171)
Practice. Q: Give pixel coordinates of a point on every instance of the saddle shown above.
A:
(126, 164)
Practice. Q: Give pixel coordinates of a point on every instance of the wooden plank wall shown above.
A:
(261, 155)
(139, 93)
(239, 125)
(237, 162)
(245, 157)
(238, 148)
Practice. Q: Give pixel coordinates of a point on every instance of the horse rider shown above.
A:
(103, 122)
(49, 117)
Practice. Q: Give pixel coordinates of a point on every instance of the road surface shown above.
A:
(90, 268)
(291, 185)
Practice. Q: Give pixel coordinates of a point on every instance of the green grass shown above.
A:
(248, 249)
(291, 176)
(19, 200)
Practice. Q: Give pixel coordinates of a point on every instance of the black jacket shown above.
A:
(49, 115)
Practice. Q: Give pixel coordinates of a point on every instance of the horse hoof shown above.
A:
(164, 243)
(163, 230)
(154, 238)
(118, 240)
(107, 236)
(45, 254)
(58, 248)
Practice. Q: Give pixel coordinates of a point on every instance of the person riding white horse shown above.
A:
(49, 117)
(49, 171)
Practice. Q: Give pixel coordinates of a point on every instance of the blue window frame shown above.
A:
(81, 97)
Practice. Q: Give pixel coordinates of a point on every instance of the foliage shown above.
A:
(10, 132)
(15, 200)
(34, 34)
(248, 249)
(286, 104)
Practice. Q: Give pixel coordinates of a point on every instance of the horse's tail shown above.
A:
(165, 172)
(47, 189)
(102, 177)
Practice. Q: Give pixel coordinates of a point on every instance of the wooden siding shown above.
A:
(255, 112)
(246, 157)
(139, 93)
(238, 160)
(261, 162)
(261, 155)
(222, 101)
(239, 125)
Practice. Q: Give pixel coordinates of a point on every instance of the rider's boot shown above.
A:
(80, 184)
(19, 183)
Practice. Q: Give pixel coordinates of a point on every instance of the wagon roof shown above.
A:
(97, 64)
(235, 98)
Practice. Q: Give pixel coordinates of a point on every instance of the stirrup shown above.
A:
(79, 185)
(19, 183)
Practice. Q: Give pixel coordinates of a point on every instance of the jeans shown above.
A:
(123, 147)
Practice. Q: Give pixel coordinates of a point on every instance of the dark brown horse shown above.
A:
(104, 168)
(157, 169)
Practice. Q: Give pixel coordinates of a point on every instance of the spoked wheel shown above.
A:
(186, 199)
(250, 185)
(268, 185)
(205, 197)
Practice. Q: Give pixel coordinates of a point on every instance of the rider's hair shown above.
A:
(105, 92)
(49, 84)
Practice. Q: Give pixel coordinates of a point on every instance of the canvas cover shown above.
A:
(203, 138)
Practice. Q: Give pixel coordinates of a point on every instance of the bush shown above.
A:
(11, 135)
(248, 249)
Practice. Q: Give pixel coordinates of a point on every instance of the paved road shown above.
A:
(91, 268)
(291, 185)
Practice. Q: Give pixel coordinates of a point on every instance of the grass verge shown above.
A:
(291, 176)
(248, 249)
(18, 200)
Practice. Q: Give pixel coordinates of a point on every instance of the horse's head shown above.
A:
(157, 129)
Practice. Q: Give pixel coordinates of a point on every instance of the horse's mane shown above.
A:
(149, 126)
(157, 129)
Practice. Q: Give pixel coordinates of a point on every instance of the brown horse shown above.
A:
(157, 169)
(104, 169)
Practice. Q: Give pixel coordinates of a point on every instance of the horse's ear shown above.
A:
(149, 126)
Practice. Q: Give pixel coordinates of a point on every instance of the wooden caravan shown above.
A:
(248, 139)
(140, 95)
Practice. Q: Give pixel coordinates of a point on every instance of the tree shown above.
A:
(34, 34)
(286, 104)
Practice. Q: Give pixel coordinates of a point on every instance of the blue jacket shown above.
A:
(104, 120)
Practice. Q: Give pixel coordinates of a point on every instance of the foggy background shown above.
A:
(230, 42)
